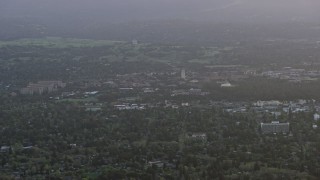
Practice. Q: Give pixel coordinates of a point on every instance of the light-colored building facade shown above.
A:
(42, 87)
(275, 127)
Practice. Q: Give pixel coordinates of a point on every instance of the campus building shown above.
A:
(275, 127)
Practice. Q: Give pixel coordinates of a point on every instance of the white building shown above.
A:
(135, 42)
(199, 136)
(226, 84)
(183, 74)
(185, 104)
(275, 127)
(316, 116)
(267, 103)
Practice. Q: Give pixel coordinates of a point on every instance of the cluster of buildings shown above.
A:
(292, 75)
(273, 107)
(286, 107)
(231, 107)
(192, 91)
(93, 107)
(198, 137)
(128, 106)
(42, 87)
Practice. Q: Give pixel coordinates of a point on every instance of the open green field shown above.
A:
(57, 42)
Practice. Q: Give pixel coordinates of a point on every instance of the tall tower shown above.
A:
(183, 74)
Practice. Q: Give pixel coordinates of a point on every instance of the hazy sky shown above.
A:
(128, 10)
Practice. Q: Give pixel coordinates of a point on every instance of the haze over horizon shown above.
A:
(161, 20)
(140, 10)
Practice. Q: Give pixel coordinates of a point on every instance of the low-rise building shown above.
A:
(158, 164)
(199, 136)
(275, 127)
(42, 87)
(226, 84)
(5, 149)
